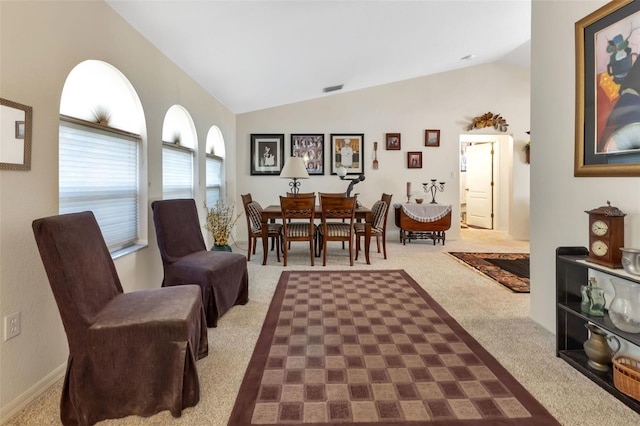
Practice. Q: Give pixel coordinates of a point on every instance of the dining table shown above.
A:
(272, 212)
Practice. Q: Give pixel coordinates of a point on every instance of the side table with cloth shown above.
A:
(423, 221)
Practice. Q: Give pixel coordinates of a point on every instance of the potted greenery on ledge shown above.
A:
(220, 221)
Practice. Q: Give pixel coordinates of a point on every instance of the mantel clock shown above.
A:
(606, 236)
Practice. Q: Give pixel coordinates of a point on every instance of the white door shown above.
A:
(480, 185)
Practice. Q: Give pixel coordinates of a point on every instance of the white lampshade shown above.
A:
(341, 171)
(294, 169)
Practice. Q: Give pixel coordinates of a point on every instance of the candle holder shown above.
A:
(433, 188)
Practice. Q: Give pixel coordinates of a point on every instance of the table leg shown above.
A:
(265, 240)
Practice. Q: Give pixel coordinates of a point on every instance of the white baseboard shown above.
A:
(32, 393)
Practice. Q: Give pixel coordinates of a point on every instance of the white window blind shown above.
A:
(98, 171)
(214, 179)
(177, 172)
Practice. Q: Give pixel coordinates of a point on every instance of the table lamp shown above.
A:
(294, 169)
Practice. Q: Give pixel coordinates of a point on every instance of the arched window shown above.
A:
(215, 166)
(178, 148)
(100, 150)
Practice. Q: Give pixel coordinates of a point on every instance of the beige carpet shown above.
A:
(493, 315)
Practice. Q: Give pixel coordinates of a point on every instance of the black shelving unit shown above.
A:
(571, 333)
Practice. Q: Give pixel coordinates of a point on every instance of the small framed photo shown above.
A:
(414, 159)
(432, 138)
(19, 129)
(347, 150)
(267, 154)
(310, 147)
(393, 141)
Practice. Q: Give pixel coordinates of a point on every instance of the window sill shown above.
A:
(125, 251)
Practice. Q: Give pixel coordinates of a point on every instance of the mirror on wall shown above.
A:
(15, 135)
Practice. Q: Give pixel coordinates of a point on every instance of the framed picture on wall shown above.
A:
(432, 138)
(267, 154)
(19, 129)
(347, 150)
(393, 141)
(311, 148)
(414, 159)
(608, 91)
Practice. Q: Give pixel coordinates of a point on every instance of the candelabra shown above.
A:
(433, 188)
(342, 173)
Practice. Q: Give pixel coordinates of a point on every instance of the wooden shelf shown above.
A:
(571, 273)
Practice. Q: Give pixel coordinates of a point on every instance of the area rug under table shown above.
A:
(372, 348)
(509, 269)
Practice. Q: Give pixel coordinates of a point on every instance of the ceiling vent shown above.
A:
(332, 88)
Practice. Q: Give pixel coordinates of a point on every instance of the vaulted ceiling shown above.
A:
(258, 54)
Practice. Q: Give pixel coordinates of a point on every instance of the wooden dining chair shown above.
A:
(253, 213)
(338, 216)
(379, 214)
(298, 214)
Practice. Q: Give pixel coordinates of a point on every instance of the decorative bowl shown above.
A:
(419, 200)
(631, 260)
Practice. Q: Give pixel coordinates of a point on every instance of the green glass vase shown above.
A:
(225, 247)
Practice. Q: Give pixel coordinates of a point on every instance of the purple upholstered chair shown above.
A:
(129, 353)
(222, 276)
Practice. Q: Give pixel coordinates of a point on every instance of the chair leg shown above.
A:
(277, 241)
(357, 245)
(255, 243)
(285, 250)
(324, 252)
(312, 249)
(351, 251)
(378, 242)
(384, 245)
(249, 249)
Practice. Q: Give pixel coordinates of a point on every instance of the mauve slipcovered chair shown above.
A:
(222, 276)
(129, 353)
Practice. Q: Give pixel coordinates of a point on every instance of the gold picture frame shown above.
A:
(607, 49)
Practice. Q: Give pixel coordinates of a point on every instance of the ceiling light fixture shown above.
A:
(332, 88)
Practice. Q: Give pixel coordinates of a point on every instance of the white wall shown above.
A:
(446, 101)
(558, 200)
(41, 43)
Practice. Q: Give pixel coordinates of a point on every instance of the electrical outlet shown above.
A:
(11, 326)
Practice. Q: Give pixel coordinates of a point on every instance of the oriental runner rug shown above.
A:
(372, 348)
(509, 269)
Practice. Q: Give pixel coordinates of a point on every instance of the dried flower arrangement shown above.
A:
(488, 120)
(220, 221)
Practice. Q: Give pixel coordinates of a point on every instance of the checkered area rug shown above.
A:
(372, 348)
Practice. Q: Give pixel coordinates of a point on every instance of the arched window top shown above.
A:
(96, 91)
(178, 126)
(215, 142)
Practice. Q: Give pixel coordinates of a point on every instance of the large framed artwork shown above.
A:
(347, 150)
(311, 148)
(267, 154)
(608, 91)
